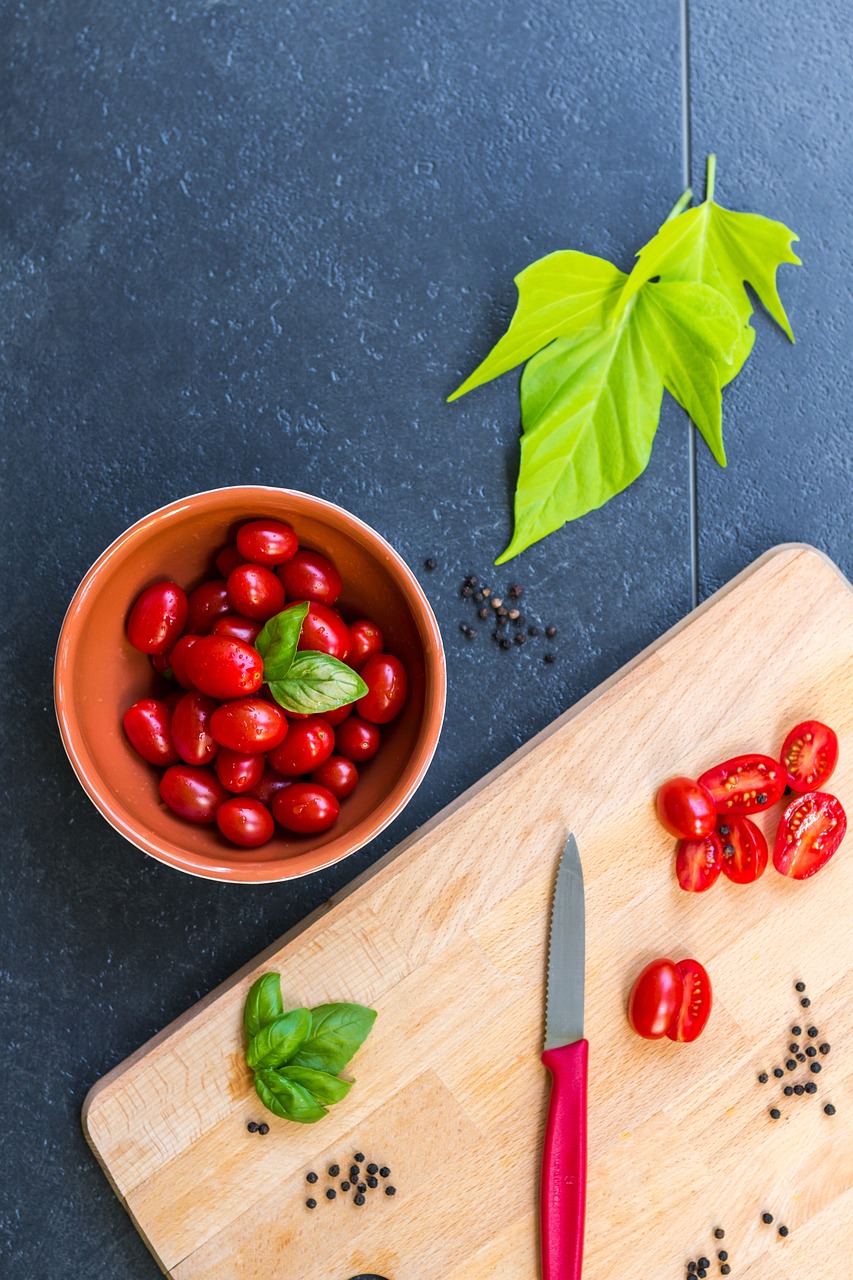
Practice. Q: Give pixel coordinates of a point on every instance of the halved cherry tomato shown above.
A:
(655, 998)
(269, 786)
(365, 639)
(245, 822)
(698, 863)
(207, 603)
(192, 793)
(228, 559)
(266, 541)
(745, 784)
(339, 775)
(311, 576)
(308, 744)
(809, 755)
(191, 728)
(255, 592)
(744, 850)
(245, 629)
(811, 829)
(224, 668)
(387, 687)
(237, 771)
(148, 727)
(324, 630)
(357, 739)
(157, 618)
(178, 660)
(692, 1016)
(249, 725)
(686, 809)
(306, 808)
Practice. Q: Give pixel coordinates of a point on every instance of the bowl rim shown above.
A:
(435, 694)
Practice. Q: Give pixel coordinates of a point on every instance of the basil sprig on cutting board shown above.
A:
(304, 681)
(297, 1054)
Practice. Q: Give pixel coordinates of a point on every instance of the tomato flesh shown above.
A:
(745, 784)
(693, 1013)
(655, 998)
(744, 850)
(698, 863)
(686, 809)
(811, 829)
(809, 755)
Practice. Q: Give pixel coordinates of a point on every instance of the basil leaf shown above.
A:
(277, 1042)
(278, 638)
(263, 1003)
(315, 683)
(322, 1086)
(337, 1031)
(286, 1099)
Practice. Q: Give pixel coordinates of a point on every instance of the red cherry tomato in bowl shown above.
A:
(686, 809)
(324, 630)
(255, 592)
(266, 542)
(357, 739)
(387, 688)
(306, 808)
(744, 850)
(207, 603)
(148, 725)
(809, 755)
(157, 618)
(311, 576)
(228, 559)
(308, 744)
(245, 822)
(249, 725)
(339, 715)
(655, 998)
(245, 629)
(693, 1013)
(192, 793)
(224, 668)
(191, 728)
(339, 775)
(745, 784)
(365, 639)
(269, 785)
(811, 829)
(178, 660)
(237, 771)
(698, 863)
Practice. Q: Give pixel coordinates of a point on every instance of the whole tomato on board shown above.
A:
(809, 755)
(157, 618)
(686, 809)
(811, 829)
(745, 784)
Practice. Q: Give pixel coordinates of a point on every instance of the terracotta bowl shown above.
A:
(98, 675)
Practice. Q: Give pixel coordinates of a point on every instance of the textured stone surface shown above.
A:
(264, 242)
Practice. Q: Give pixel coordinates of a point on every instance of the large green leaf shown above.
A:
(287, 1099)
(337, 1031)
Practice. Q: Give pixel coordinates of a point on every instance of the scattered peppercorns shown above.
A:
(783, 1231)
(373, 1168)
(824, 1048)
(788, 1091)
(815, 1067)
(263, 1128)
(805, 1002)
(767, 1218)
(334, 1170)
(358, 1199)
(311, 1203)
(345, 1186)
(829, 1109)
(311, 1177)
(430, 562)
(778, 1072)
(384, 1172)
(372, 1182)
(811, 1052)
(796, 1031)
(331, 1193)
(762, 1079)
(799, 1090)
(775, 1113)
(811, 1087)
(725, 1269)
(252, 1126)
(812, 1032)
(390, 1191)
(799, 986)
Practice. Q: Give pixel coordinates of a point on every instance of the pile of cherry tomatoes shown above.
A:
(231, 755)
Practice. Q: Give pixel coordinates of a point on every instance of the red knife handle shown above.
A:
(563, 1191)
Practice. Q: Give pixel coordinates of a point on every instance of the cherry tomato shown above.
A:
(249, 725)
(310, 576)
(207, 603)
(245, 629)
(387, 685)
(698, 863)
(686, 809)
(238, 772)
(172, 699)
(178, 660)
(266, 542)
(192, 793)
(157, 618)
(339, 714)
(224, 668)
(255, 592)
(269, 785)
(191, 728)
(357, 739)
(744, 850)
(655, 998)
(228, 559)
(811, 829)
(695, 1008)
(809, 755)
(160, 663)
(339, 775)
(324, 630)
(148, 727)
(308, 744)
(365, 639)
(746, 784)
(245, 822)
(306, 808)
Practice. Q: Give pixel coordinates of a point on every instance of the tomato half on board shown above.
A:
(809, 755)
(811, 829)
(656, 997)
(745, 784)
(744, 850)
(698, 863)
(696, 1000)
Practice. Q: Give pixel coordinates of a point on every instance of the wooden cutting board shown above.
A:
(446, 938)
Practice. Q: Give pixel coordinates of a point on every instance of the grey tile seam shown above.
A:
(687, 166)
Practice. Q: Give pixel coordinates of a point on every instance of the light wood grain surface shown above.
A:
(446, 938)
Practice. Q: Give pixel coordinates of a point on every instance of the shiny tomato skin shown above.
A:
(255, 592)
(267, 542)
(737, 784)
(686, 809)
(158, 617)
(809, 755)
(693, 1013)
(655, 998)
(357, 739)
(365, 639)
(269, 786)
(178, 660)
(208, 602)
(339, 715)
(324, 630)
(191, 728)
(308, 744)
(225, 668)
(237, 771)
(192, 793)
(160, 663)
(245, 822)
(387, 685)
(306, 808)
(311, 576)
(744, 850)
(148, 727)
(338, 775)
(228, 559)
(249, 725)
(698, 863)
(172, 699)
(239, 628)
(810, 831)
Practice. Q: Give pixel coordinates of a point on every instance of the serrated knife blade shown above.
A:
(566, 953)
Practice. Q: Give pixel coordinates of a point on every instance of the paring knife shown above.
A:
(563, 1187)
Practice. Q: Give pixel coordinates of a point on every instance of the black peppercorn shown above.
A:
(704, 1262)
(361, 1187)
(815, 1067)
(805, 1002)
(788, 1091)
(372, 1182)
(811, 1087)
(466, 591)
(701, 1273)
(384, 1172)
(252, 1126)
(722, 1255)
(725, 1269)
(811, 1051)
(519, 621)
(799, 1090)
(550, 657)
(520, 637)
(724, 830)
(373, 1168)
(390, 1191)
(516, 591)
(801, 1057)
(533, 631)
(483, 613)
(312, 1204)
(799, 986)
(359, 1199)
(358, 1158)
(354, 1172)
(550, 632)
(824, 1048)
(331, 1193)
(812, 1032)
(796, 1031)
(761, 798)
(775, 1113)
(334, 1170)
(767, 1218)
(762, 1079)
(263, 1128)
(728, 849)
(778, 1072)
(505, 644)
(310, 1177)
(691, 1268)
(345, 1186)
(429, 563)
(783, 1231)
(791, 1064)
(829, 1109)
(795, 1048)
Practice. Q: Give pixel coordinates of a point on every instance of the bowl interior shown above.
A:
(99, 674)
